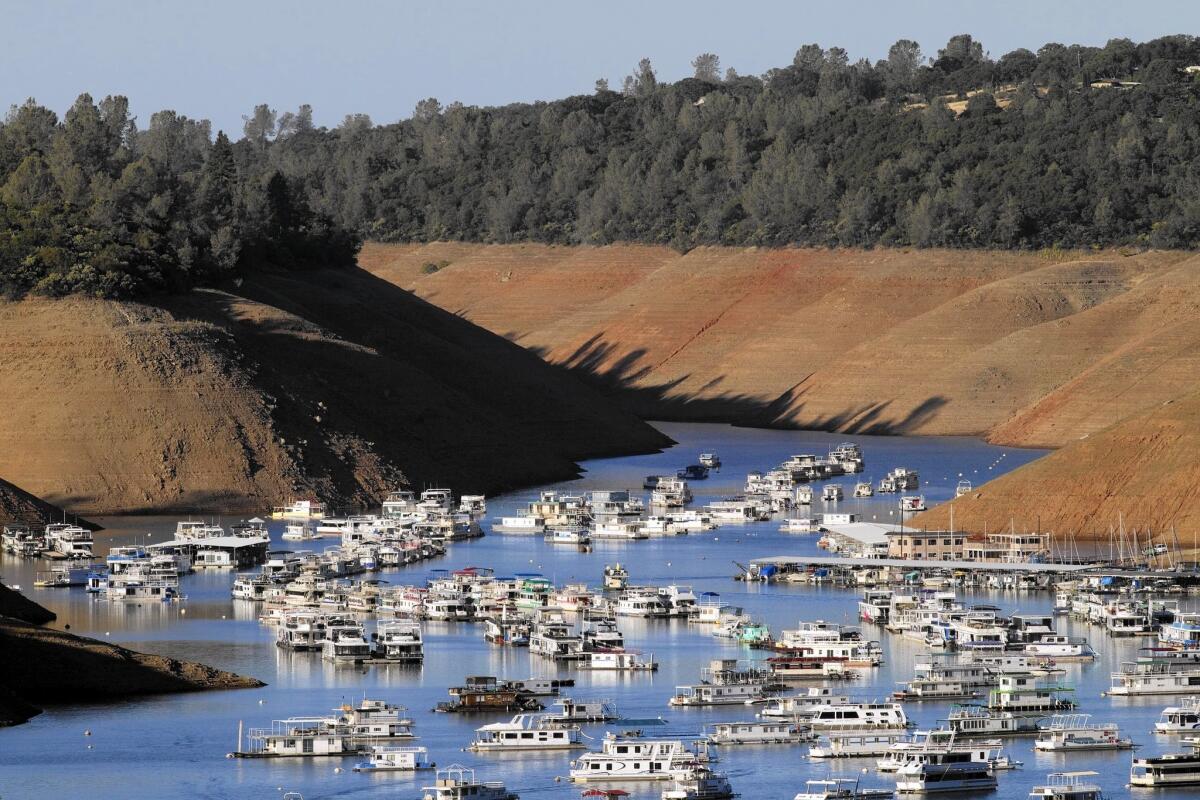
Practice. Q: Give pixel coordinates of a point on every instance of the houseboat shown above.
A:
(854, 745)
(344, 642)
(616, 578)
(398, 641)
(520, 523)
(802, 706)
(488, 694)
(710, 460)
(671, 493)
(692, 472)
(1154, 677)
(963, 487)
(570, 711)
(857, 717)
(1061, 648)
(1180, 719)
(1068, 786)
(831, 493)
(576, 535)
(374, 722)
(297, 737)
(939, 747)
(642, 603)
(841, 789)
(458, 783)
(299, 509)
(799, 525)
(701, 784)
(526, 733)
(970, 721)
(635, 759)
(1024, 693)
(726, 733)
(623, 661)
(1067, 732)
(864, 489)
(707, 694)
(62, 540)
(736, 511)
(396, 759)
(912, 503)
(552, 637)
(931, 777)
(1171, 769)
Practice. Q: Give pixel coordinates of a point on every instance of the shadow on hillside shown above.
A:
(597, 362)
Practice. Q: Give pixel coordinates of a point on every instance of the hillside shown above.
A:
(1027, 349)
(1141, 472)
(42, 665)
(324, 382)
(18, 505)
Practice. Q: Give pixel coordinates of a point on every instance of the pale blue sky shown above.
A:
(217, 58)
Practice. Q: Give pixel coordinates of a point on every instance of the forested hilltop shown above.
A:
(1069, 146)
(90, 204)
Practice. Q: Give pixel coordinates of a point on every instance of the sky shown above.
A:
(217, 59)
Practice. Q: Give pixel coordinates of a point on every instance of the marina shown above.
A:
(454, 614)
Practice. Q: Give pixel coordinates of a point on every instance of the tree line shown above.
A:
(90, 204)
(1068, 146)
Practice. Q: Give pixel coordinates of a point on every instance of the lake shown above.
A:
(175, 745)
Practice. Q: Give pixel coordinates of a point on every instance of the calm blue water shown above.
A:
(174, 746)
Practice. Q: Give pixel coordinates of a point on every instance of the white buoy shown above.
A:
(87, 732)
(184, 611)
(337, 770)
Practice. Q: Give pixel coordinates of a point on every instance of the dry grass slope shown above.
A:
(331, 383)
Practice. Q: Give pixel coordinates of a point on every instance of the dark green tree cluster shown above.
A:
(1049, 151)
(90, 204)
(1069, 146)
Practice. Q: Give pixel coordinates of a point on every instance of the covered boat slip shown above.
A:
(772, 566)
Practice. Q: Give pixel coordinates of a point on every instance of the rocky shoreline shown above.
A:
(41, 666)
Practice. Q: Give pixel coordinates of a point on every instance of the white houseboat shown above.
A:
(1180, 719)
(398, 641)
(854, 745)
(396, 759)
(1068, 786)
(458, 783)
(701, 784)
(726, 733)
(841, 789)
(1154, 677)
(1171, 769)
(1067, 732)
(635, 759)
(858, 717)
(526, 733)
